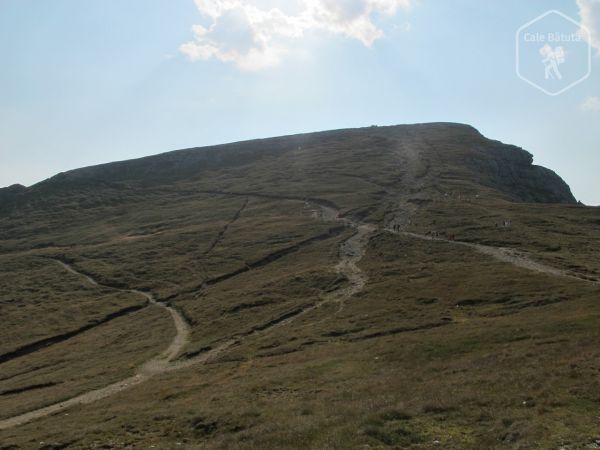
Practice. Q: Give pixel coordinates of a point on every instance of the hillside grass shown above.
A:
(443, 348)
(400, 367)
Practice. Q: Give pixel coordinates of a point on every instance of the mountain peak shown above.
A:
(429, 158)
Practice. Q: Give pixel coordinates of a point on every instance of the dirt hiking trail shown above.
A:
(151, 368)
(507, 255)
(351, 251)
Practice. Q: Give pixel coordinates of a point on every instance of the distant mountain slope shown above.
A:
(455, 153)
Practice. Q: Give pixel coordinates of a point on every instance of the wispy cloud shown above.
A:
(589, 11)
(253, 37)
(591, 104)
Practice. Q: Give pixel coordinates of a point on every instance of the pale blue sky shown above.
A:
(87, 82)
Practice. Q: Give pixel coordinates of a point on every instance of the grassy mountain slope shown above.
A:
(313, 336)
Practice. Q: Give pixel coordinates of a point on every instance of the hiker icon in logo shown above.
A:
(552, 59)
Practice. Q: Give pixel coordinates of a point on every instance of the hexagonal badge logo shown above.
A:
(554, 53)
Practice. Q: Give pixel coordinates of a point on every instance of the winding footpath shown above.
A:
(506, 255)
(156, 366)
(351, 251)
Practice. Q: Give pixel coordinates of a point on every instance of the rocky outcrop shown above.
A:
(510, 170)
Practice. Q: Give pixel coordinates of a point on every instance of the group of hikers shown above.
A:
(436, 235)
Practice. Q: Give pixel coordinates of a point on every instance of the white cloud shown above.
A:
(589, 11)
(591, 104)
(254, 35)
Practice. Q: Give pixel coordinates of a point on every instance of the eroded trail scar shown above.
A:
(351, 252)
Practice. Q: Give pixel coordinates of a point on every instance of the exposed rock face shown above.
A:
(510, 170)
(462, 153)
